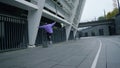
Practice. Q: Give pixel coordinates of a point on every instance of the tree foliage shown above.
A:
(112, 14)
(101, 18)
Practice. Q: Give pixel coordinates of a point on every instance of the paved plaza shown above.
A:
(79, 53)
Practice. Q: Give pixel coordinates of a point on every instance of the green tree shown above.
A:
(109, 15)
(101, 18)
(112, 13)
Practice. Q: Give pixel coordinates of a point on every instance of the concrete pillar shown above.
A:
(75, 33)
(68, 28)
(34, 17)
(80, 9)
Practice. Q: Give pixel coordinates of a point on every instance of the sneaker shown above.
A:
(50, 42)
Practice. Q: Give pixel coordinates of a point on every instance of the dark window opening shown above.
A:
(28, 0)
(13, 11)
(86, 34)
(111, 30)
(93, 33)
(101, 32)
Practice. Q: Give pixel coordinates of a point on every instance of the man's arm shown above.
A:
(41, 26)
(53, 23)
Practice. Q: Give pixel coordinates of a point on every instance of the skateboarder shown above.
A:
(49, 29)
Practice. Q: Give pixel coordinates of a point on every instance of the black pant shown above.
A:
(49, 36)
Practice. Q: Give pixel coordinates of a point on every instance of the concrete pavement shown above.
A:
(72, 54)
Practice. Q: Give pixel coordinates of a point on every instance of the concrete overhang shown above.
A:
(93, 24)
(51, 16)
(96, 23)
(21, 4)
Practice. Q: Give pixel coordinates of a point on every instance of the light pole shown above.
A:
(104, 14)
(118, 5)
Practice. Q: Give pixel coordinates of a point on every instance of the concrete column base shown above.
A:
(31, 46)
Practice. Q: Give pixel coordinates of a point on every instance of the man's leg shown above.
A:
(49, 38)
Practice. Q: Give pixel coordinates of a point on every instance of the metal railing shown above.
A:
(59, 35)
(13, 33)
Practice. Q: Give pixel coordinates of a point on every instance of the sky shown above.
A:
(95, 8)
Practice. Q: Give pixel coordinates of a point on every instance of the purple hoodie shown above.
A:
(48, 27)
